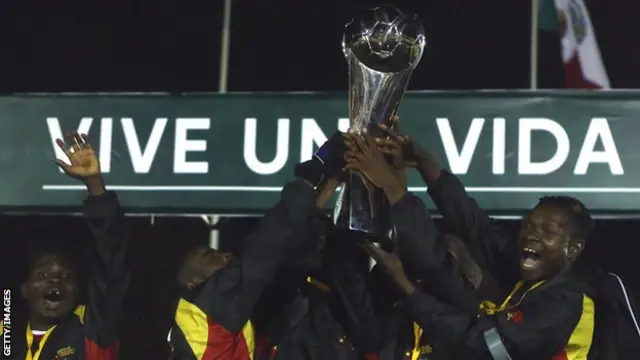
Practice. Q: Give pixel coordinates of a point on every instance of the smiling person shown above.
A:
(550, 312)
(59, 328)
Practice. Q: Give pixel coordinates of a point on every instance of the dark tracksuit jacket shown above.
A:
(92, 331)
(391, 329)
(309, 322)
(547, 320)
(212, 322)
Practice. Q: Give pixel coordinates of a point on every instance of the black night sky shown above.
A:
(283, 45)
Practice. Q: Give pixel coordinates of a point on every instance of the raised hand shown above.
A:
(363, 155)
(389, 145)
(392, 265)
(84, 163)
(400, 146)
(388, 260)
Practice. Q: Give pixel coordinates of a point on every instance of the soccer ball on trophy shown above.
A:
(385, 39)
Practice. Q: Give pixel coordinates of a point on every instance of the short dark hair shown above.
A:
(67, 258)
(39, 248)
(579, 217)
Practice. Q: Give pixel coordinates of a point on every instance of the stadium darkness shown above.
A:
(285, 45)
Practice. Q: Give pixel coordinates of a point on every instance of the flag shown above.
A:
(583, 66)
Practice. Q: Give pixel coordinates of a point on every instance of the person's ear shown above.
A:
(575, 248)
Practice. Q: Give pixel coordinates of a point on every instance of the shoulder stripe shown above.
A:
(580, 341)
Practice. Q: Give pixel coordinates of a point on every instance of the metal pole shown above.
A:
(214, 235)
(224, 47)
(535, 17)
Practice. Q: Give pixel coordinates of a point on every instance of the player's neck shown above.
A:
(39, 324)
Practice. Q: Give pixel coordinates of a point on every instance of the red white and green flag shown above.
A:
(583, 66)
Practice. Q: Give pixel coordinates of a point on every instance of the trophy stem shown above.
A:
(362, 206)
(382, 46)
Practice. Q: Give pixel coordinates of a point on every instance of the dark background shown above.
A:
(283, 45)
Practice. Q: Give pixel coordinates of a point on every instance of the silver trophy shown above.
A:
(382, 47)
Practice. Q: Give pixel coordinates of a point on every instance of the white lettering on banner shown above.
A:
(106, 143)
(312, 136)
(142, 159)
(599, 129)
(459, 149)
(499, 153)
(344, 124)
(459, 160)
(526, 127)
(250, 144)
(55, 132)
(460, 157)
(183, 145)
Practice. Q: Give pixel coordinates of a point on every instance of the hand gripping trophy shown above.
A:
(382, 47)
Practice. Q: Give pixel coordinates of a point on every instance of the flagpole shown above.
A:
(214, 235)
(535, 17)
(224, 47)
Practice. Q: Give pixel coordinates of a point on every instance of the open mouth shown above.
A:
(52, 298)
(530, 259)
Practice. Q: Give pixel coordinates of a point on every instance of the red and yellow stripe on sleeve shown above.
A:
(92, 350)
(580, 341)
(209, 340)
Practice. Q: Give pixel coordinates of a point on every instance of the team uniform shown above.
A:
(552, 319)
(92, 330)
(309, 319)
(397, 335)
(212, 321)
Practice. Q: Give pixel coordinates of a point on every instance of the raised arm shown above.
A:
(230, 294)
(539, 326)
(101, 316)
(110, 276)
(213, 319)
(487, 242)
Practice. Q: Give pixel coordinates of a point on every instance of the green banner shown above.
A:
(232, 153)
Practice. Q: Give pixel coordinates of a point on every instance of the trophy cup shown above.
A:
(382, 47)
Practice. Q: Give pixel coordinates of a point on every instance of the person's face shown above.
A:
(51, 288)
(546, 247)
(204, 262)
